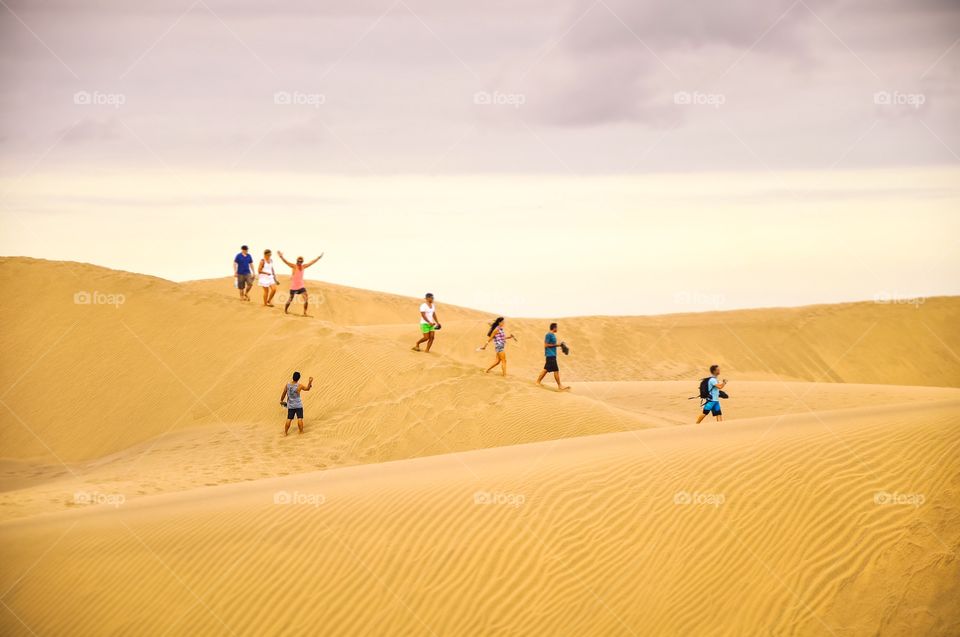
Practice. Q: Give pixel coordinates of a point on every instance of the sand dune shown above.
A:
(888, 343)
(173, 357)
(672, 531)
(142, 451)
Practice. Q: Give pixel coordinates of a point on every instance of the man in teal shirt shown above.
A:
(550, 349)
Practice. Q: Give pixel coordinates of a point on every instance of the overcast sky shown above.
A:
(143, 110)
(391, 86)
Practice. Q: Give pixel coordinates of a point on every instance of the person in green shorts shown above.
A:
(429, 322)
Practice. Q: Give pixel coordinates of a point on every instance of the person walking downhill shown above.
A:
(267, 278)
(550, 349)
(296, 281)
(498, 335)
(429, 322)
(243, 272)
(714, 385)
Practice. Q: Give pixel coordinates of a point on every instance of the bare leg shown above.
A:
(246, 292)
(300, 425)
(306, 303)
(289, 301)
(422, 340)
(720, 418)
(240, 287)
(503, 363)
(700, 419)
(540, 377)
(429, 341)
(265, 292)
(286, 427)
(560, 386)
(273, 291)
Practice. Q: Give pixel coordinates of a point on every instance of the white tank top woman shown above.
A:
(267, 277)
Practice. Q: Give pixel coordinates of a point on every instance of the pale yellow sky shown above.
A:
(521, 245)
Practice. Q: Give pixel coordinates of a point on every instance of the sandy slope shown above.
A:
(900, 344)
(221, 454)
(172, 358)
(168, 400)
(679, 531)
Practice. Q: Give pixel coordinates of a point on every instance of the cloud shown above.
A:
(92, 129)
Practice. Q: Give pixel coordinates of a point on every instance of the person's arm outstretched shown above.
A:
(307, 265)
(308, 385)
(280, 254)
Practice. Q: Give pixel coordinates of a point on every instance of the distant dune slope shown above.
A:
(843, 524)
(888, 343)
(81, 380)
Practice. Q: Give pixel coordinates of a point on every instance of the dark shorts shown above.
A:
(551, 364)
(296, 411)
(244, 281)
(300, 291)
(712, 407)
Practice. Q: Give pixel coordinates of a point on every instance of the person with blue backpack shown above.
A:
(710, 392)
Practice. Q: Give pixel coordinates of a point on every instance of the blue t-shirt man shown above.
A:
(713, 389)
(244, 263)
(551, 339)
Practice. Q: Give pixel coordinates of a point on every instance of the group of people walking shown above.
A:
(266, 277)
(430, 324)
(290, 397)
